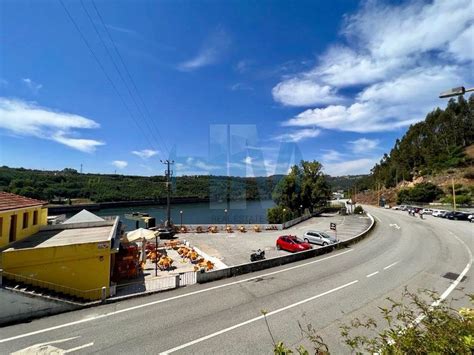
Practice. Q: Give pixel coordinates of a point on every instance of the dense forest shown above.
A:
(69, 184)
(428, 147)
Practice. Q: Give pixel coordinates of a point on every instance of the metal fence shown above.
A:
(155, 284)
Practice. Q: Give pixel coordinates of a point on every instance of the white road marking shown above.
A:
(225, 330)
(78, 348)
(372, 274)
(99, 316)
(378, 219)
(395, 225)
(389, 266)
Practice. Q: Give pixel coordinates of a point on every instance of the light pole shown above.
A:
(459, 91)
(181, 215)
(301, 210)
(284, 215)
(225, 211)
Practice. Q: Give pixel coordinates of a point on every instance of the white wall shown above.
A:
(16, 306)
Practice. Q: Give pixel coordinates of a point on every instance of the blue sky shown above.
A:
(222, 86)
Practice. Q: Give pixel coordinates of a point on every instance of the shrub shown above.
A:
(358, 210)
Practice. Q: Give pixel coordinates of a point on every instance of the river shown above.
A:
(239, 212)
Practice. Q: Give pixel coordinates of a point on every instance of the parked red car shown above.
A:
(292, 243)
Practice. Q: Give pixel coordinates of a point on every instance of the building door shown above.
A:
(13, 221)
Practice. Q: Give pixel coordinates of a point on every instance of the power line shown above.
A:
(103, 70)
(128, 73)
(117, 69)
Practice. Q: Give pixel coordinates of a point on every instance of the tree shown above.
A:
(305, 187)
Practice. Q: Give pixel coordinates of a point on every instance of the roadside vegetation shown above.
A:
(411, 325)
(305, 188)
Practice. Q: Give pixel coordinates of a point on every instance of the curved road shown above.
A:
(225, 316)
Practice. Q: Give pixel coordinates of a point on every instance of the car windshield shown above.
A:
(326, 236)
(296, 240)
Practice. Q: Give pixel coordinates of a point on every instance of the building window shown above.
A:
(35, 218)
(25, 220)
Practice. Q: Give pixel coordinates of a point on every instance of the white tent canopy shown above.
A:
(140, 234)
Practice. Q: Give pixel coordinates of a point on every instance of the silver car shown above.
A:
(319, 238)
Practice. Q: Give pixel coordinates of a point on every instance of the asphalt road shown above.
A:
(224, 317)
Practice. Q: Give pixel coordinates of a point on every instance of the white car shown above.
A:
(471, 218)
(438, 213)
(396, 207)
(320, 238)
(427, 211)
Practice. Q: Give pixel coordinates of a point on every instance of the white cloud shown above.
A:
(28, 119)
(247, 160)
(243, 66)
(84, 145)
(331, 155)
(399, 57)
(385, 105)
(30, 84)
(298, 135)
(145, 153)
(304, 92)
(210, 52)
(364, 145)
(120, 164)
(350, 167)
(462, 48)
(241, 86)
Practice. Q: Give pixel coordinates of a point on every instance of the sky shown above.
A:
(222, 87)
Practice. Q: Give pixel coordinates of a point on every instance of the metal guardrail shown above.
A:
(93, 294)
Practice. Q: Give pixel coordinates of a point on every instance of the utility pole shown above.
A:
(81, 168)
(168, 174)
(454, 194)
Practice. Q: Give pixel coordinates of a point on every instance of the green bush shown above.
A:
(358, 210)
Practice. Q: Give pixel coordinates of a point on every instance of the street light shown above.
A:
(181, 214)
(461, 90)
(284, 215)
(301, 210)
(225, 211)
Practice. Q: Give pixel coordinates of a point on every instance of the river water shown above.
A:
(239, 212)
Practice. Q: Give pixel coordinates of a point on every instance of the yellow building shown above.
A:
(20, 217)
(74, 258)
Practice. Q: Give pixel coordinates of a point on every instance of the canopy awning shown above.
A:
(140, 234)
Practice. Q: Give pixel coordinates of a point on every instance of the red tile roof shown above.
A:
(9, 201)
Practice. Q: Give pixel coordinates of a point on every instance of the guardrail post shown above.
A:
(178, 279)
(104, 293)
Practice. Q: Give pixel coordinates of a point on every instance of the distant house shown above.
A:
(338, 195)
(20, 217)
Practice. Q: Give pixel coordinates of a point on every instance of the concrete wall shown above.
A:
(203, 277)
(16, 307)
(80, 270)
(20, 231)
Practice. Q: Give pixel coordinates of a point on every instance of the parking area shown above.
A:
(235, 248)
